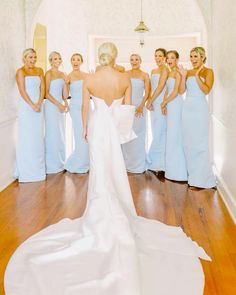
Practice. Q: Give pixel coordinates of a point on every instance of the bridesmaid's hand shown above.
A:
(61, 108)
(199, 70)
(139, 111)
(66, 78)
(67, 106)
(149, 106)
(36, 107)
(163, 108)
(183, 71)
(85, 135)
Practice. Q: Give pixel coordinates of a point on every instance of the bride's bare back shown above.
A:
(108, 84)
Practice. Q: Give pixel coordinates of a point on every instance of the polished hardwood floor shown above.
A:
(27, 208)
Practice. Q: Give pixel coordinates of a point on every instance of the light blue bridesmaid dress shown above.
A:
(55, 129)
(195, 120)
(134, 151)
(156, 153)
(175, 159)
(78, 161)
(30, 161)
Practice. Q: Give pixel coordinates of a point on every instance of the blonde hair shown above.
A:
(201, 52)
(77, 54)
(107, 53)
(26, 52)
(136, 54)
(52, 54)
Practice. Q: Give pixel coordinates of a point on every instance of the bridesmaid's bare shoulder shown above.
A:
(119, 68)
(155, 71)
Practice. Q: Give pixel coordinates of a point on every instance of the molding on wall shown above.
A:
(5, 180)
(220, 123)
(226, 195)
(8, 121)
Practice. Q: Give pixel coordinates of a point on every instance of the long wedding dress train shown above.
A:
(110, 250)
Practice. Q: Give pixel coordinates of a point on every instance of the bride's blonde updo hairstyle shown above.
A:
(107, 53)
(201, 52)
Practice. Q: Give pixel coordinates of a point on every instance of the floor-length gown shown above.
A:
(195, 120)
(175, 159)
(156, 153)
(55, 129)
(30, 160)
(78, 161)
(134, 151)
(110, 250)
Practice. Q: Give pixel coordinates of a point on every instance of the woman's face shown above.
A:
(30, 60)
(159, 58)
(76, 62)
(135, 62)
(56, 61)
(172, 60)
(196, 59)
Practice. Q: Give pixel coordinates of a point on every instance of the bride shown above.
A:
(110, 250)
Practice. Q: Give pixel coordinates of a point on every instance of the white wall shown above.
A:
(12, 40)
(224, 98)
(78, 19)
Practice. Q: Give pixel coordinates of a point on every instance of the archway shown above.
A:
(40, 45)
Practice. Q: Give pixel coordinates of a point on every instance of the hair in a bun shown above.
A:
(201, 51)
(107, 54)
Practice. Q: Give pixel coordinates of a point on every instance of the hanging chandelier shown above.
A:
(141, 27)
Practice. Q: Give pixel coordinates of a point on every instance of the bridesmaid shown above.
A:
(30, 162)
(156, 154)
(55, 107)
(172, 106)
(195, 120)
(78, 162)
(134, 152)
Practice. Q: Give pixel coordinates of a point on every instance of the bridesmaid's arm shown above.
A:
(209, 80)
(147, 87)
(20, 80)
(160, 86)
(183, 72)
(128, 92)
(139, 109)
(60, 106)
(85, 108)
(42, 87)
(175, 91)
(65, 93)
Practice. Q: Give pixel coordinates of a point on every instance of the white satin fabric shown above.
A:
(110, 250)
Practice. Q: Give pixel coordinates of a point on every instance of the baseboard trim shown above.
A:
(4, 183)
(226, 195)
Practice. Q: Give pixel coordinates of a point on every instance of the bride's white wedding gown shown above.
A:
(110, 250)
